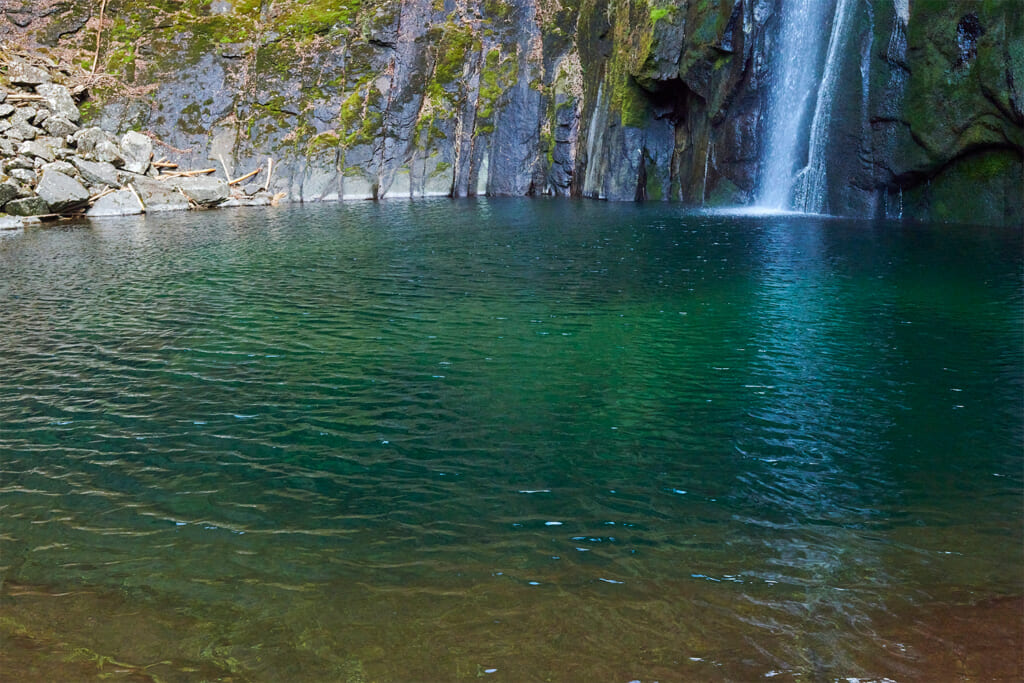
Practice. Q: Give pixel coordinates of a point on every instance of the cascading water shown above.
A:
(800, 104)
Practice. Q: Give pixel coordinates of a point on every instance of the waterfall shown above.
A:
(800, 104)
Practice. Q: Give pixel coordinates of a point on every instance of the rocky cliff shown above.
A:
(615, 99)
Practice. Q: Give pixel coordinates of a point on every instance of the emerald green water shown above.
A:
(520, 440)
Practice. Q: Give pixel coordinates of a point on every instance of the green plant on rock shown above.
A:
(496, 76)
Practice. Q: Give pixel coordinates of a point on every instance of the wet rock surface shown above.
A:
(615, 99)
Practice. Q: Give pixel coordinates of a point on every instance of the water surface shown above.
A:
(523, 440)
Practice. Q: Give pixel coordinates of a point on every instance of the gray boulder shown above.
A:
(22, 130)
(43, 148)
(59, 99)
(108, 152)
(18, 162)
(203, 190)
(120, 203)
(97, 172)
(59, 126)
(158, 196)
(24, 114)
(8, 191)
(87, 139)
(20, 73)
(61, 167)
(29, 206)
(5, 109)
(137, 150)
(60, 191)
(10, 222)
(24, 175)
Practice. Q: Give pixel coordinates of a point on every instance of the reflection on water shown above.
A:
(527, 440)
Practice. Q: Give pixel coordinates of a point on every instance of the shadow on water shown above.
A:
(556, 440)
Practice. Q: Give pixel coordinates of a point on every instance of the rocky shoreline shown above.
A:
(52, 167)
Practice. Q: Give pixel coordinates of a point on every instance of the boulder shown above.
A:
(137, 150)
(43, 148)
(203, 190)
(20, 73)
(22, 130)
(157, 195)
(29, 206)
(87, 139)
(18, 162)
(8, 191)
(10, 222)
(24, 114)
(59, 126)
(61, 167)
(60, 191)
(24, 175)
(97, 172)
(6, 109)
(120, 203)
(108, 152)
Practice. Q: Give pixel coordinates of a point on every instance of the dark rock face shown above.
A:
(614, 99)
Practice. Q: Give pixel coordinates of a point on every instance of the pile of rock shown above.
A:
(51, 166)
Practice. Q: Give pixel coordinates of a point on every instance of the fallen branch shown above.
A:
(227, 175)
(99, 34)
(187, 174)
(92, 200)
(24, 97)
(164, 164)
(137, 197)
(245, 177)
(192, 204)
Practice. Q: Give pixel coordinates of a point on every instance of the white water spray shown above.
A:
(800, 105)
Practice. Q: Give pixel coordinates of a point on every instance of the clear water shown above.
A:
(523, 440)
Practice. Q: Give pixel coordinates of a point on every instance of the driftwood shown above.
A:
(164, 164)
(245, 177)
(186, 174)
(104, 193)
(137, 197)
(270, 173)
(24, 97)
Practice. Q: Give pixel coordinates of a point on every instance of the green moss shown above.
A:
(660, 13)
(495, 77)
(631, 101)
(653, 187)
(498, 9)
(456, 42)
